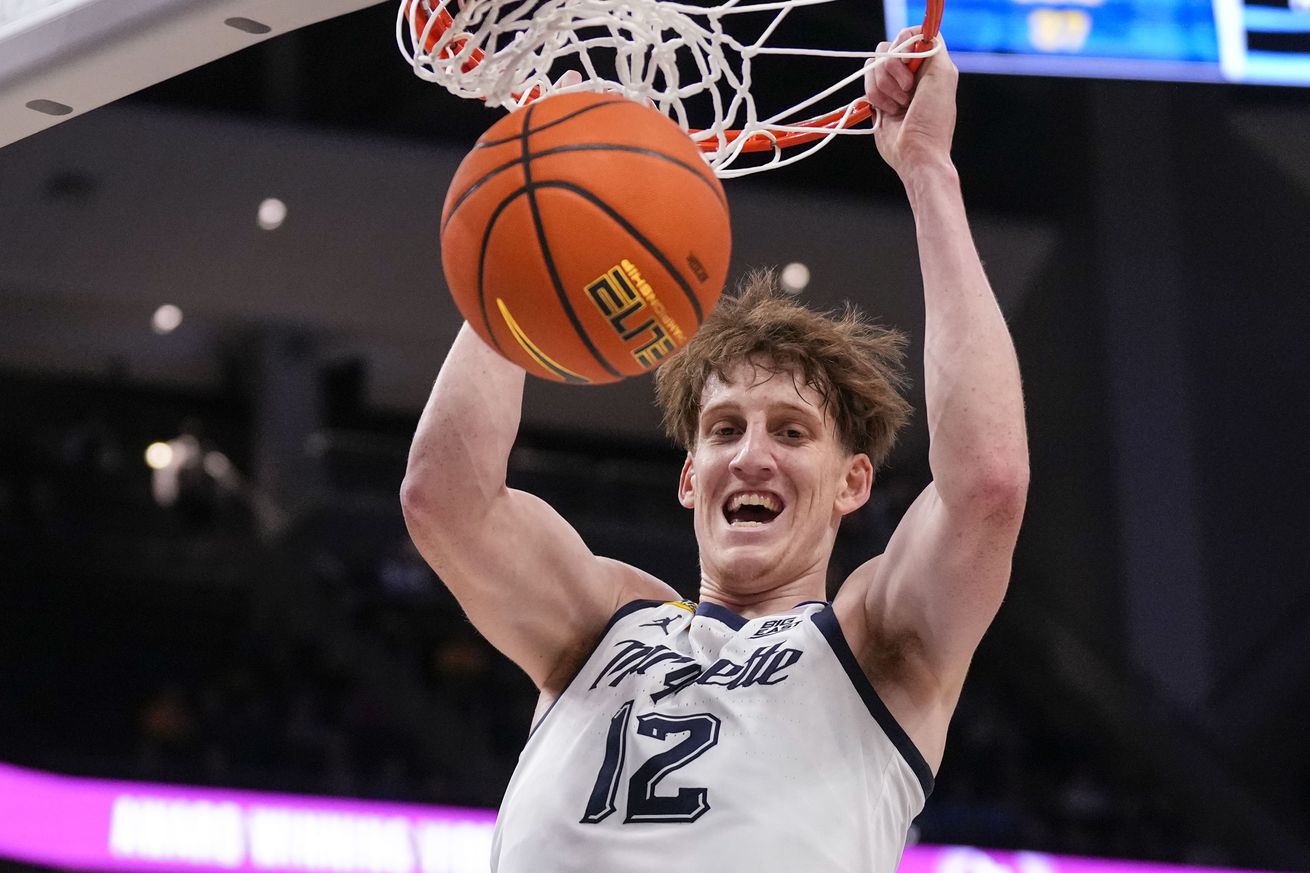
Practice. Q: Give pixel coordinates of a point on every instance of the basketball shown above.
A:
(584, 238)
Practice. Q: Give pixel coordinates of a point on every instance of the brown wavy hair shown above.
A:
(855, 366)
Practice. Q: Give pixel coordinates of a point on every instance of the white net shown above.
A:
(667, 54)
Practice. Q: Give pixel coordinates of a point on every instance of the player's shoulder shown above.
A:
(635, 615)
(634, 583)
(861, 585)
(657, 601)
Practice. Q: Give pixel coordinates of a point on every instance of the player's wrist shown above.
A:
(927, 174)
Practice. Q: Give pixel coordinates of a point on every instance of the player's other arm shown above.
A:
(939, 584)
(522, 574)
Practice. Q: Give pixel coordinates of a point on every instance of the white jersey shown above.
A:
(697, 740)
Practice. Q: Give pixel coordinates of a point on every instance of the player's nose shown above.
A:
(754, 457)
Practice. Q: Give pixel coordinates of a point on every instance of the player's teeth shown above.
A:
(740, 500)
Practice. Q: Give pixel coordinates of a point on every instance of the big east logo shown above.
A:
(775, 626)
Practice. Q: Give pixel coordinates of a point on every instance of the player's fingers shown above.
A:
(570, 78)
(881, 88)
(890, 88)
(871, 69)
(892, 102)
(906, 33)
(941, 67)
(943, 56)
(878, 101)
(899, 72)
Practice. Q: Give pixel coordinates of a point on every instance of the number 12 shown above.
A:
(689, 804)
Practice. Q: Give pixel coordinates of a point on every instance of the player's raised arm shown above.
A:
(522, 574)
(946, 569)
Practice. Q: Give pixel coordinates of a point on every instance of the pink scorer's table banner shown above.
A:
(98, 824)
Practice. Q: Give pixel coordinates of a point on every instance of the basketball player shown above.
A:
(761, 729)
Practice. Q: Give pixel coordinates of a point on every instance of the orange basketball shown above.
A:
(584, 238)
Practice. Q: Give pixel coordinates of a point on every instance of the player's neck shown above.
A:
(751, 604)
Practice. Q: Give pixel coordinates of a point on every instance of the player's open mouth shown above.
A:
(752, 508)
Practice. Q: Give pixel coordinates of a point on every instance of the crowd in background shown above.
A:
(181, 644)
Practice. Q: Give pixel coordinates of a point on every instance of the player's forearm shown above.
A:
(461, 448)
(978, 450)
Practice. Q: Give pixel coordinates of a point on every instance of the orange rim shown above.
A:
(756, 142)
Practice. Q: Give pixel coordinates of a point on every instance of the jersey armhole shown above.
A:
(826, 621)
(621, 613)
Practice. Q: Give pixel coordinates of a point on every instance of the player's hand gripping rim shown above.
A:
(889, 78)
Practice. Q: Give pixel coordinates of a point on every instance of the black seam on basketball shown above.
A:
(482, 263)
(639, 150)
(563, 374)
(579, 147)
(496, 171)
(636, 235)
(549, 259)
(549, 124)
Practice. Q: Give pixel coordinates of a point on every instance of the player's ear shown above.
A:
(687, 484)
(856, 484)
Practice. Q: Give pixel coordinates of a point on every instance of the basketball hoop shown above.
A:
(503, 51)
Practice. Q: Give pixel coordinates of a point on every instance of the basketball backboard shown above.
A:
(60, 58)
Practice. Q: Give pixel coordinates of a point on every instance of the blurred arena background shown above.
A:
(251, 615)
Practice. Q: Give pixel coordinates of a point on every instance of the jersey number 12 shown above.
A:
(689, 804)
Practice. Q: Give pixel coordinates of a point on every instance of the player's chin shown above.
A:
(751, 551)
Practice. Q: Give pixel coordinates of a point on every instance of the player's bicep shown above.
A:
(942, 579)
(528, 582)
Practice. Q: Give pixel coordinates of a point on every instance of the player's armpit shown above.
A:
(528, 582)
(918, 611)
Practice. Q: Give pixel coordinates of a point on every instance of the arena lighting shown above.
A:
(159, 455)
(219, 466)
(98, 824)
(166, 319)
(272, 212)
(794, 277)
